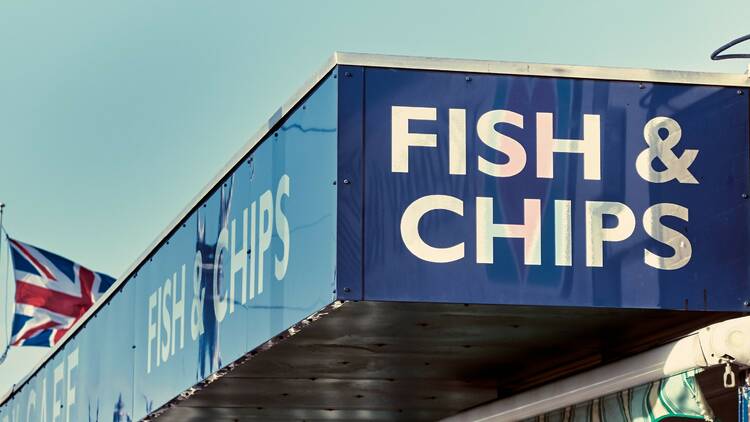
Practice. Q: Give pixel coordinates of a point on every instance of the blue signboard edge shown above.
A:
(351, 163)
(664, 78)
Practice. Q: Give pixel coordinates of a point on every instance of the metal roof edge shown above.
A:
(541, 69)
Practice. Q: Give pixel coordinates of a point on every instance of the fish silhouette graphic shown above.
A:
(209, 354)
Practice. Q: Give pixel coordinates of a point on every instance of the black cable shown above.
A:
(716, 54)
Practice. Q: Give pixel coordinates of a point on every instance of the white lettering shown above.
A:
(457, 141)
(529, 231)
(196, 310)
(158, 328)
(265, 232)
(57, 377)
(31, 404)
(43, 404)
(71, 389)
(563, 234)
(220, 303)
(547, 145)
(683, 250)
(152, 328)
(252, 252)
(677, 167)
(402, 139)
(410, 228)
(499, 142)
(166, 320)
(282, 229)
(238, 262)
(596, 234)
(178, 311)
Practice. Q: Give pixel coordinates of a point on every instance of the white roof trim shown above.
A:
(550, 70)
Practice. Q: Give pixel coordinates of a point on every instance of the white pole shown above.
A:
(7, 289)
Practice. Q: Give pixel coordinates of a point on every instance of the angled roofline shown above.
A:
(540, 69)
(395, 62)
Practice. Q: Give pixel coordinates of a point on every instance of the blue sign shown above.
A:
(551, 191)
(256, 258)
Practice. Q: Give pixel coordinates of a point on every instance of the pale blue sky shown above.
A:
(113, 115)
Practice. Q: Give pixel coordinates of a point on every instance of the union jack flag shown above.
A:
(52, 293)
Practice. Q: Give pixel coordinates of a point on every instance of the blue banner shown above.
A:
(256, 257)
(552, 191)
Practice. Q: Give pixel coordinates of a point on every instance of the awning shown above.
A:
(652, 385)
(670, 397)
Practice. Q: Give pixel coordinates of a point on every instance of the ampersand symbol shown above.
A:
(661, 148)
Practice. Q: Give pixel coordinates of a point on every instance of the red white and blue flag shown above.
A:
(52, 293)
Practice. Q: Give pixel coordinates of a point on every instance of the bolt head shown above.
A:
(744, 195)
(739, 92)
(746, 303)
(346, 181)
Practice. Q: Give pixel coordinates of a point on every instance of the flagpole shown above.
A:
(7, 290)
